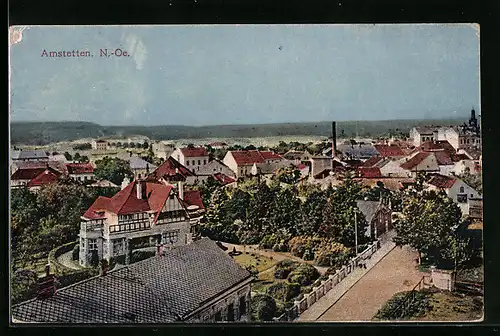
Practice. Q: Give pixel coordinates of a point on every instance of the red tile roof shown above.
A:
(80, 168)
(194, 152)
(369, 172)
(27, 173)
(249, 157)
(48, 176)
(170, 168)
(268, 155)
(153, 198)
(372, 161)
(217, 143)
(443, 158)
(415, 160)
(442, 182)
(224, 179)
(389, 150)
(193, 197)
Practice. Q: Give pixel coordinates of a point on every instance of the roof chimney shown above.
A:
(138, 189)
(334, 139)
(181, 190)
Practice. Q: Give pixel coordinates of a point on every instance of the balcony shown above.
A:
(130, 226)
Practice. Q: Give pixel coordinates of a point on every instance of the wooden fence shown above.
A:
(326, 285)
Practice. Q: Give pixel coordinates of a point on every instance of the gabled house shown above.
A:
(140, 168)
(142, 209)
(163, 150)
(223, 179)
(421, 162)
(390, 151)
(193, 283)
(211, 168)
(456, 189)
(191, 157)
(81, 172)
(172, 170)
(29, 155)
(298, 156)
(23, 176)
(242, 161)
(46, 177)
(100, 145)
(378, 215)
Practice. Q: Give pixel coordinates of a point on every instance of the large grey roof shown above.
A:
(357, 152)
(156, 290)
(368, 209)
(138, 163)
(29, 154)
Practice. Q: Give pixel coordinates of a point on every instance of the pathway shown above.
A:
(66, 259)
(395, 272)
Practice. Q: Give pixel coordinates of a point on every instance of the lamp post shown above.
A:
(356, 231)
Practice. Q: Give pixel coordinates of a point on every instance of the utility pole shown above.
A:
(356, 231)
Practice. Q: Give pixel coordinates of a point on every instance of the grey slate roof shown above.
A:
(29, 154)
(356, 152)
(155, 290)
(368, 209)
(138, 163)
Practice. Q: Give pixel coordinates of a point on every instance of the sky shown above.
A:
(245, 74)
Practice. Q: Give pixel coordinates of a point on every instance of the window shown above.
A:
(462, 198)
(82, 242)
(230, 312)
(461, 189)
(205, 162)
(117, 247)
(92, 244)
(139, 175)
(171, 237)
(187, 163)
(218, 316)
(243, 308)
(471, 195)
(85, 178)
(193, 162)
(199, 162)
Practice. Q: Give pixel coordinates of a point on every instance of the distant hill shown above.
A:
(42, 133)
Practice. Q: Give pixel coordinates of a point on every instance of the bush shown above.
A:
(23, 285)
(141, 255)
(308, 255)
(76, 252)
(283, 291)
(284, 267)
(263, 307)
(304, 275)
(268, 241)
(420, 305)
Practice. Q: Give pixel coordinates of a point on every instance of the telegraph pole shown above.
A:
(356, 231)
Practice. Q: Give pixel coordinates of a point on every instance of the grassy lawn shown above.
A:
(439, 305)
(261, 263)
(447, 306)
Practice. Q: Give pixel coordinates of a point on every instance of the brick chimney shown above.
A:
(180, 186)
(334, 139)
(138, 189)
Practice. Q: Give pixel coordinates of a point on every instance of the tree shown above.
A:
(145, 145)
(77, 157)
(113, 169)
(288, 175)
(263, 307)
(428, 220)
(237, 205)
(311, 213)
(285, 212)
(474, 181)
(132, 145)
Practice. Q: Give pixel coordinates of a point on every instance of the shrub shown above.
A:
(284, 267)
(263, 307)
(308, 255)
(141, 255)
(23, 285)
(419, 306)
(268, 241)
(305, 275)
(283, 291)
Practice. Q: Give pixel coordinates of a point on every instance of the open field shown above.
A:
(260, 262)
(447, 306)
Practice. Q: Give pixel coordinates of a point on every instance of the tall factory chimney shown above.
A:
(334, 139)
